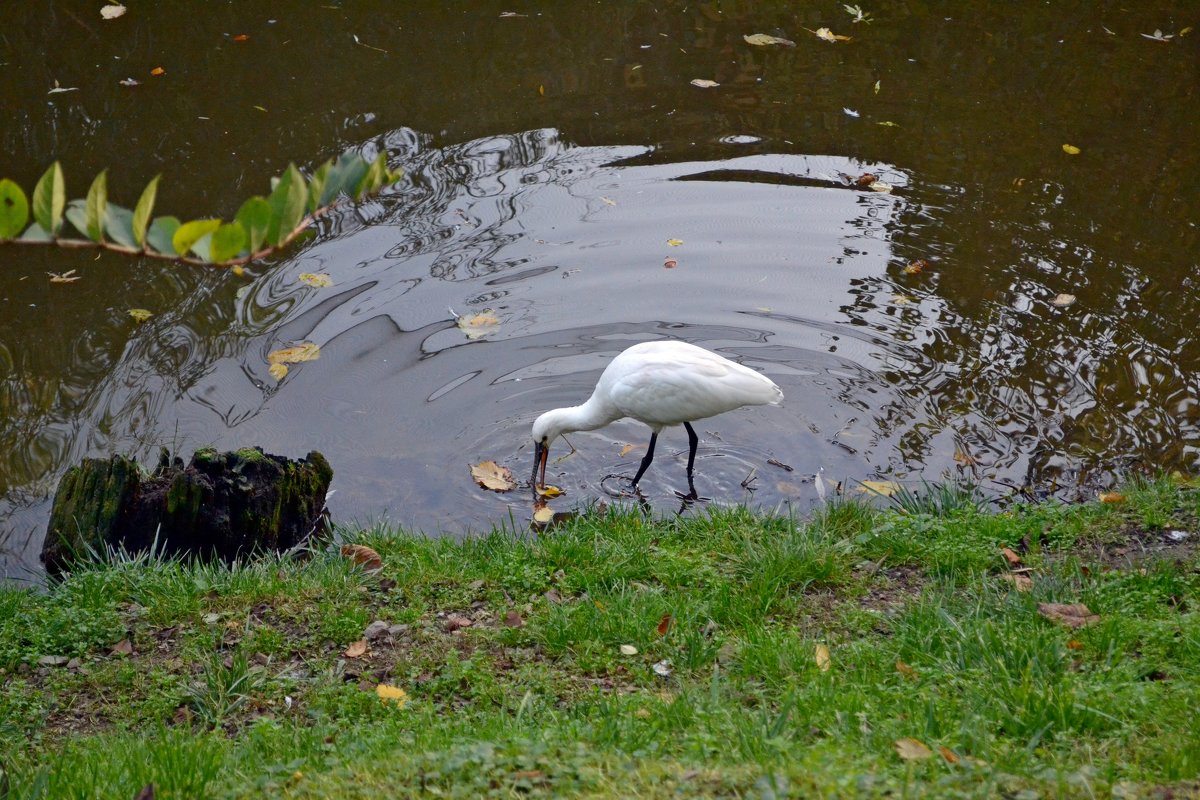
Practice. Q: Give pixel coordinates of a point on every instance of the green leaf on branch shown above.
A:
(345, 176)
(141, 212)
(14, 209)
(96, 207)
(316, 186)
(255, 218)
(49, 198)
(189, 233)
(76, 214)
(376, 176)
(227, 242)
(36, 233)
(161, 233)
(202, 248)
(288, 200)
(118, 223)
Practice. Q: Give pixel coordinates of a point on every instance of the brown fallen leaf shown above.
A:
(625, 450)
(356, 649)
(948, 755)
(147, 792)
(1010, 556)
(764, 40)
(493, 477)
(664, 624)
(827, 35)
(543, 514)
(157, 71)
(476, 326)
(122, 648)
(1020, 582)
(1075, 644)
(1074, 615)
(1112, 497)
(364, 556)
(528, 775)
(241, 37)
(670, 263)
(295, 355)
(906, 670)
(455, 622)
(513, 620)
(821, 656)
(912, 749)
(916, 267)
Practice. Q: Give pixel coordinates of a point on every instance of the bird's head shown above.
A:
(545, 429)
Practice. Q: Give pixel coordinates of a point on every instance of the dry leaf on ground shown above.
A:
(1010, 556)
(1074, 615)
(1112, 497)
(122, 648)
(1020, 582)
(356, 649)
(513, 620)
(948, 755)
(906, 670)
(821, 656)
(364, 556)
(664, 625)
(492, 476)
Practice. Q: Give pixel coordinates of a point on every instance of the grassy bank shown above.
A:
(857, 653)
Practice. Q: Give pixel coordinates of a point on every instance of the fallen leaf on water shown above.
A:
(821, 656)
(828, 35)
(543, 515)
(885, 488)
(157, 71)
(625, 450)
(295, 355)
(850, 112)
(664, 625)
(902, 299)
(278, 371)
(876, 87)
(476, 326)
(608, 201)
(58, 89)
(670, 263)
(491, 475)
(241, 37)
(364, 556)
(674, 242)
(916, 267)
(112, 11)
(789, 489)
(906, 670)
(129, 82)
(912, 749)
(1074, 615)
(1021, 583)
(887, 123)
(356, 649)
(628, 650)
(1112, 497)
(881, 186)
(1185, 31)
(67, 277)
(1159, 36)
(549, 491)
(140, 314)
(317, 279)
(388, 693)
(764, 39)
(1010, 556)
(1071, 150)
(865, 180)
(963, 457)
(704, 83)
(1063, 300)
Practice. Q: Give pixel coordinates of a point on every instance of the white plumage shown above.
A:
(660, 384)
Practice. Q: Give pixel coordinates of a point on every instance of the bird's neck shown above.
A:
(595, 413)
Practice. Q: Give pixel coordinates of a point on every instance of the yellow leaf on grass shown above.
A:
(1073, 615)
(764, 39)
(295, 355)
(363, 555)
(491, 475)
(821, 656)
(317, 279)
(476, 326)
(1071, 150)
(391, 694)
(140, 314)
(1022, 583)
(906, 670)
(949, 755)
(1112, 497)
(356, 649)
(885, 488)
(912, 749)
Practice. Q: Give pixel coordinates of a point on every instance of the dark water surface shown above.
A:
(549, 158)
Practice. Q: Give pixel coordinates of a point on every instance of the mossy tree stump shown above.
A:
(221, 505)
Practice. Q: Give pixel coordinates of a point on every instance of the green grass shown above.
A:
(238, 685)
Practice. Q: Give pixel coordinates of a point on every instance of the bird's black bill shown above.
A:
(540, 454)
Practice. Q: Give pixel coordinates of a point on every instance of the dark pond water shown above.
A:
(549, 158)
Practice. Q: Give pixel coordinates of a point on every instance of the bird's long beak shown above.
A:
(540, 454)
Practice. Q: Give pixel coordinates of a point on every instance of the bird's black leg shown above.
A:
(693, 442)
(646, 461)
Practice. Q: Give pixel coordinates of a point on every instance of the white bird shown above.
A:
(659, 383)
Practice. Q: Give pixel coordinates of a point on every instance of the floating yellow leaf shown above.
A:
(140, 314)
(112, 11)
(828, 35)
(549, 491)
(394, 694)
(1071, 150)
(625, 450)
(902, 299)
(543, 515)
(295, 355)
(885, 488)
(674, 242)
(876, 87)
(66, 277)
(158, 71)
(764, 39)
(821, 656)
(491, 475)
(476, 326)
(317, 279)
(1112, 497)
(1063, 300)
(278, 371)
(912, 749)
(704, 83)
(608, 201)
